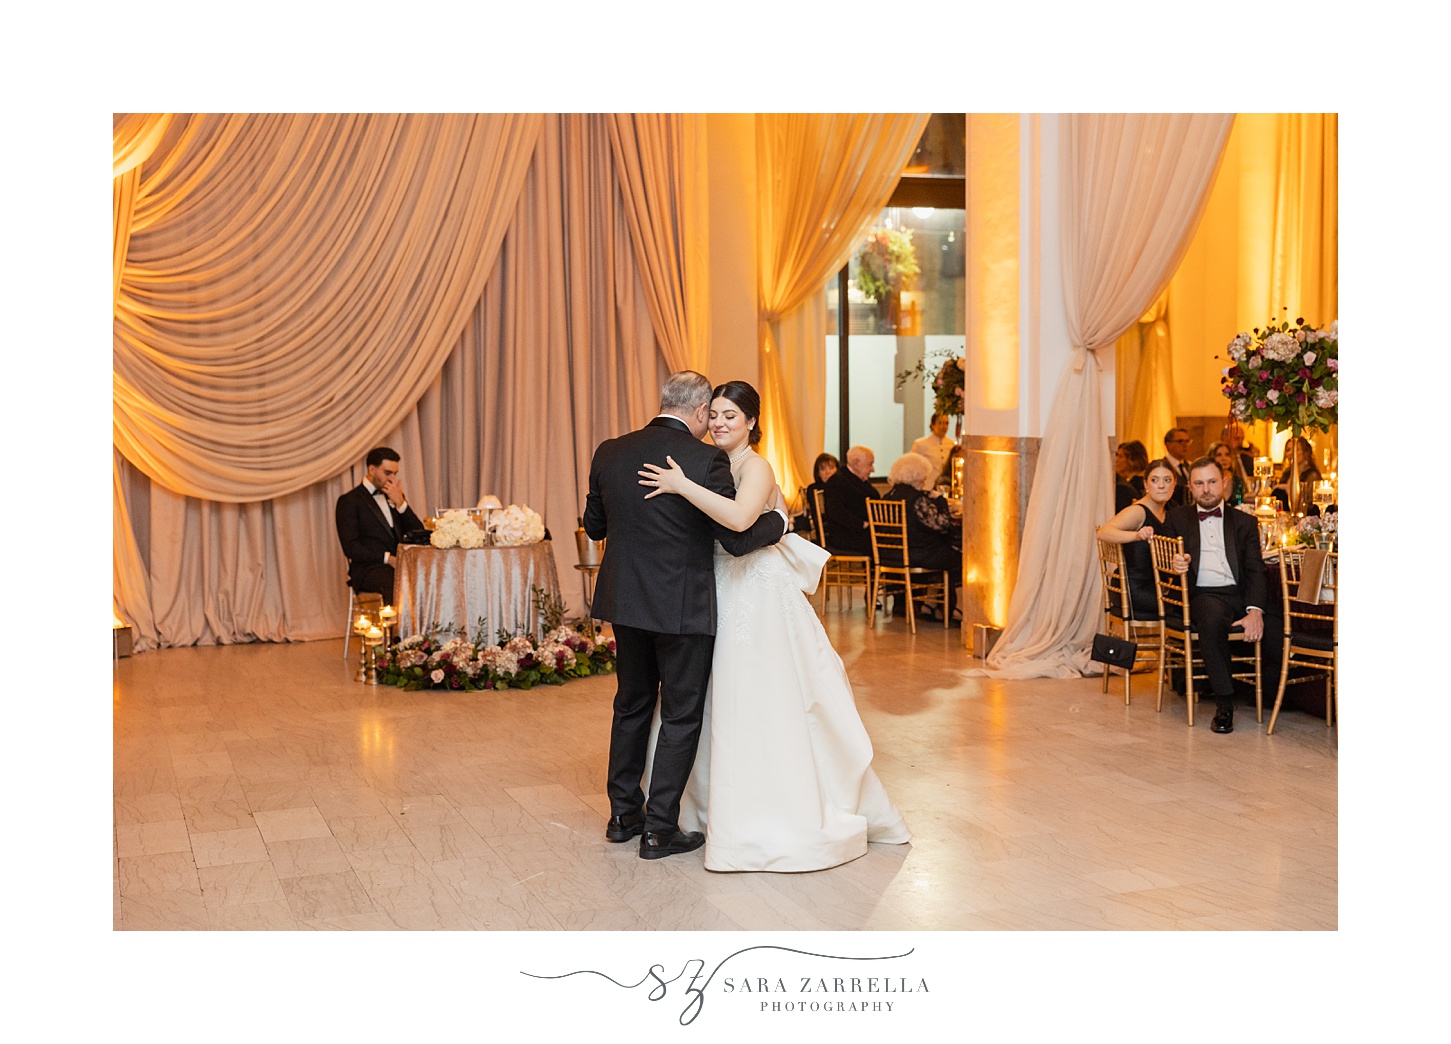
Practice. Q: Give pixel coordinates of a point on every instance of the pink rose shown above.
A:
(1310, 358)
(437, 677)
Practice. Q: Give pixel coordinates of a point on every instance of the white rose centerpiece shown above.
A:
(457, 529)
(516, 525)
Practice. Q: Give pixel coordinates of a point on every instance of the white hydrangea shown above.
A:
(517, 525)
(1326, 398)
(1281, 347)
(1239, 346)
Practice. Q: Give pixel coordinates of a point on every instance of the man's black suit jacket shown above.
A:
(364, 532)
(658, 572)
(845, 504)
(1241, 547)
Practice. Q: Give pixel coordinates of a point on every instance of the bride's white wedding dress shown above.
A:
(783, 778)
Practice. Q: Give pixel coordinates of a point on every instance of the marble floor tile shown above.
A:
(319, 896)
(169, 872)
(228, 846)
(308, 856)
(271, 916)
(164, 912)
(141, 839)
(236, 884)
(291, 824)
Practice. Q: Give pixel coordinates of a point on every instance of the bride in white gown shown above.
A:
(783, 778)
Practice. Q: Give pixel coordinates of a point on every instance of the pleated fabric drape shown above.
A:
(293, 280)
(661, 162)
(557, 353)
(1132, 191)
(821, 181)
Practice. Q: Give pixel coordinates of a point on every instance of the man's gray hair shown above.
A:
(685, 391)
(912, 469)
(858, 455)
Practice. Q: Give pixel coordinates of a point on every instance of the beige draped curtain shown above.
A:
(557, 353)
(821, 181)
(1132, 191)
(661, 162)
(293, 281)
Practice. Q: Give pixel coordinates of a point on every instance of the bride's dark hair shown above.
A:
(744, 396)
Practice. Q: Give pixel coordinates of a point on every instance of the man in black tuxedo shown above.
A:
(1176, 451)
(656, 585)
(844, 503)
(1227, 587)
(372, 518)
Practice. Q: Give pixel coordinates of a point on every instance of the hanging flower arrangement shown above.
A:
(886, 263)
(947, 387)
(1286, 374)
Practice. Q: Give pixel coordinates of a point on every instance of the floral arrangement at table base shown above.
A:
(461, 664)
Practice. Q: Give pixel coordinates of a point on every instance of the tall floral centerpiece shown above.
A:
(1286, 374)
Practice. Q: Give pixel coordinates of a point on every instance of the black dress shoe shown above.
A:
(1223, 720)
(622, 828)
(658, 846)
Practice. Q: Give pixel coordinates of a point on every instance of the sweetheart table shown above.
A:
(455, 586)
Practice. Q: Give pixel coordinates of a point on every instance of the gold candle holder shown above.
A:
(361, 628)
(371, 641)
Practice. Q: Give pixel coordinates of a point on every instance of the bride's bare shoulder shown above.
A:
(759, 465)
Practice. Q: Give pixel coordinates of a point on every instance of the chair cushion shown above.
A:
(1313, 640)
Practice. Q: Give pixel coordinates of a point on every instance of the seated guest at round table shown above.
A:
(1309, 475)
(934, 538)
(1130, 461)
(826, 466)
(1133, 527)
(845, 504)
(1236, 483)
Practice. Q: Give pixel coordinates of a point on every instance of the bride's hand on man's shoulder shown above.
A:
(669, 479)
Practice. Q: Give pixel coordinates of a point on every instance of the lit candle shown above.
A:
(387, 614)
(374, 636)
(362, 625)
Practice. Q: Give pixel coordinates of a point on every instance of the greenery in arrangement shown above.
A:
(1286, 374)
(448, 658)
(886, 263)
(947, 385)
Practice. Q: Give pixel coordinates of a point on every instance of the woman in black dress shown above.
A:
(934, 538)
(1133, 527)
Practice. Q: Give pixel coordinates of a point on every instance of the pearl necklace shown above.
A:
(741, 454)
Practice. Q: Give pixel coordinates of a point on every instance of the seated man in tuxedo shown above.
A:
(844, 504)
(1227, 585)
(1176, 451)
(372, 517)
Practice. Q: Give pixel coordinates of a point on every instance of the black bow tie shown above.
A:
(1209, 514)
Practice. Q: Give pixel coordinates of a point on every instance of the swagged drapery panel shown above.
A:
(291, 281)
(557, 354)
(821, 180)
(1132, 190)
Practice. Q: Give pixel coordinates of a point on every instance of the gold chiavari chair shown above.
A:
(1118, 608)
(1177, 634)
(888, 522)
(1308, 578)
(813, 531)
(842, 572)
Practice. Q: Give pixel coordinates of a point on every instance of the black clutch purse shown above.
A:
(1114, 651)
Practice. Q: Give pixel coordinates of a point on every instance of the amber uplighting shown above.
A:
(993, 244)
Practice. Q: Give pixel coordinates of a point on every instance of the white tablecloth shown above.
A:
(455, 586)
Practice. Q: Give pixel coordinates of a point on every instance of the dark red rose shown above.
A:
(1315, 382)
(1264, 375)
(1304, 373)
(1299, 396)
(1278, 383)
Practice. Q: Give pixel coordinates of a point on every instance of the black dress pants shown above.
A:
(374, 577)
(673, 669)
(1213, 611)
